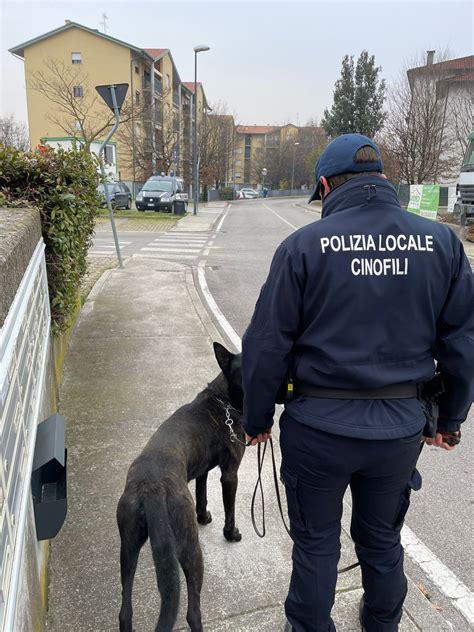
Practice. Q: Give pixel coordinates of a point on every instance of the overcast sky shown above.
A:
(271, 62)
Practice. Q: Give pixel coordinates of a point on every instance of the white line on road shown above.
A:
(279, 216)
(155, 249)
(212, 305)
(180, 237)
(458, 593)
(178, 242)
(100, 253)
(104, 241)
(158, 255)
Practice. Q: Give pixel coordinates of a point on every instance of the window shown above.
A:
(137, 97)
(168, 82)
(238, 163)
(238, 176)
(76, 58)
(78, 91)
(247, 152)
(137, 69)
(248, 139)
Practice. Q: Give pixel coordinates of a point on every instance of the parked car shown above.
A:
(247, 193)
(159, 193)
(120, 196)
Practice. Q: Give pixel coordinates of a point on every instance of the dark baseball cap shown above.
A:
(339, 157)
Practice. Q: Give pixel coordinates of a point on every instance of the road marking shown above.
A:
(108, 241)
(157, 255)
(456, 591)
(169, 242)
(179, 237)
(279, 216)
(100, 253)
(212, 305)
(459, 594)
(156, 249)
(219, 226)
(178, 242)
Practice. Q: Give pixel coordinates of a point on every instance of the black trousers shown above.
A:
(316, 469)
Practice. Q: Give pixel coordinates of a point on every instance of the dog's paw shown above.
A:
(204, 519)
(232, 535)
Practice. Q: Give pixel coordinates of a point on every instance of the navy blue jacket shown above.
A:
(368, 296)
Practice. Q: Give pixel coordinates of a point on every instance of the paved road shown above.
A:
(442, 515)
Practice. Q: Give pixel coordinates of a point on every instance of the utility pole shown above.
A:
(197, 49)
(114, 96)
(293, 167)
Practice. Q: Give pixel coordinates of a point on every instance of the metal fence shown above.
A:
(24, 345)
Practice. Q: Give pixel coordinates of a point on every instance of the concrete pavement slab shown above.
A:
(142, 348)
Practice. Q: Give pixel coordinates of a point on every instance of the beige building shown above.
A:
(270, 147)
(62, 68)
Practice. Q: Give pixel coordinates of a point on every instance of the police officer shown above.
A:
(363, 305)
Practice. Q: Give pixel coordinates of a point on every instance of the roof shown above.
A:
(156, 53)
(256, 129)
(468, 76)
(224, 117)
(20, 49)
(461, 63)
(189, 85)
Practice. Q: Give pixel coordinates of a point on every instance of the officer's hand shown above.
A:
(439, 441)
(260, 438)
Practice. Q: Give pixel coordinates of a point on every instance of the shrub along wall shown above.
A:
(63, 186)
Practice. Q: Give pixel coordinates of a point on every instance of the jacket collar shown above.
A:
(360, 191)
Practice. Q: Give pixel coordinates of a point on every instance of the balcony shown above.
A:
(176, 98)
(158, 87)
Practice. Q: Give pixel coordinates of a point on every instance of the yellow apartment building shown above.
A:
(62, 68)
(255, 147)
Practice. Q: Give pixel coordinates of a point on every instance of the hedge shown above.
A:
(63, 186)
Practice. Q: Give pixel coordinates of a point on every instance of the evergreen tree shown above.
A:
(369, 96)
(340, 120)
(358, 99)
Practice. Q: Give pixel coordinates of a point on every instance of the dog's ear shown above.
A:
(223, 357)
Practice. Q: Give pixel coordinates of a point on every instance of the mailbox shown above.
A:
(48, 478)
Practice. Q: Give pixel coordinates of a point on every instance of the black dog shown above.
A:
(157, 502)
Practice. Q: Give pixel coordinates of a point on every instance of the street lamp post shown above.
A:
(197, 49)
(264, 173)
(293, 167)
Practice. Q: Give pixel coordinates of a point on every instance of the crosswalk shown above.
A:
(176, 245)
(106, 247)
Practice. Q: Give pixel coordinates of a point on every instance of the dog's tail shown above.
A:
(163, 547)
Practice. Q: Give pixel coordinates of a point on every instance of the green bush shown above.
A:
(226, 193)
(63, 186)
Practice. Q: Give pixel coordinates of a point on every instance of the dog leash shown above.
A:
(262, 533)
(258, 485)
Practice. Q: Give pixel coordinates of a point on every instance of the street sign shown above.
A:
(424, 200)
(120, 93)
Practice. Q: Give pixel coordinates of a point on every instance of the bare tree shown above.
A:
(79, 111)
(281, 154)
(216, 145)
(13, 133)
(416, 131)
(461, 119)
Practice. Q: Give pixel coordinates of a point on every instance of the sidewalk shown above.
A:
(142, 348)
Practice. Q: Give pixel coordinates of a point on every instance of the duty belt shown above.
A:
(403, 390)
